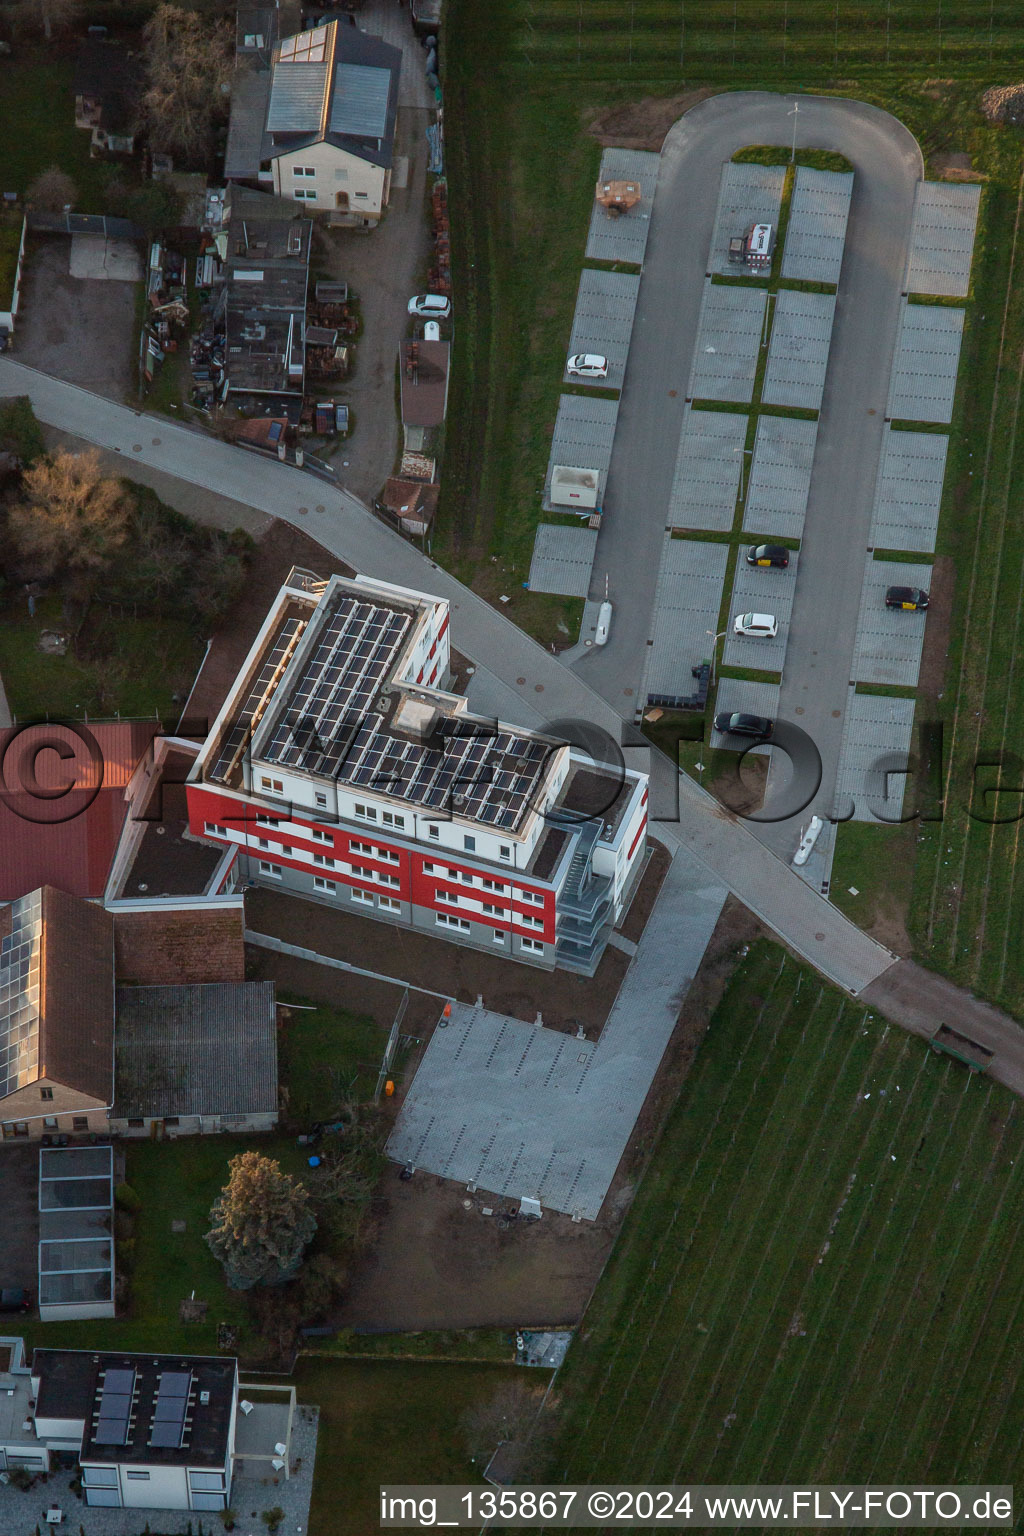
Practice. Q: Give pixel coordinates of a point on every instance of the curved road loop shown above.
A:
(529, 676)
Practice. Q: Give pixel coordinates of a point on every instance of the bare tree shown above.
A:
(507, 1418)
(53, 190)
(49, 16)
(188, 72)
(261, 1223)
(69, 519)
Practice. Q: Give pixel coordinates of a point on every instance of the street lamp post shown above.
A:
(714, 646)
(794, 114)
(743, 475)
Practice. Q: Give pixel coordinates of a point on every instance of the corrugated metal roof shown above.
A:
(206, 1049)
(297, 98)
(359, 101)
(250, 94)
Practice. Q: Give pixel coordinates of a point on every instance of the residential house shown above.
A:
(340, 768)
(318, 126)
(261, 307)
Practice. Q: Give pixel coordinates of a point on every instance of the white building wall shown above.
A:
(160, 1488)
(335, 171)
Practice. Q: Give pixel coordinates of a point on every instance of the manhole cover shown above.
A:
(628, 692)
(303, 511)
(156, 442)
(819, 935)
(799, 709)
(836, 714)
(673, 393)
(321, 509)
(136, 447)
(520, 680)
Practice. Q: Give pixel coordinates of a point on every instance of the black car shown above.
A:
(744, 725)
(906, 597)
(15, 1301)
(768, 554)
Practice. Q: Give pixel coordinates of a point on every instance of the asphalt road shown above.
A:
(888, 163)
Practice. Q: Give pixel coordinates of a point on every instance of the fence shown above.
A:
(83, 224)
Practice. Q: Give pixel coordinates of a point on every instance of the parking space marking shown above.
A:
(738, 696)
(877, 733)
(707, 473)
(624, 238)
(728, 342)
(761, 589)
(603, 322)
(816, 233)
(582, 439)
(942, 238)
(686, 606)
(889, 640)
(927, 357)
(780, 476)
(909, 490)
(562, 559)
(799, 348)
(749, 194)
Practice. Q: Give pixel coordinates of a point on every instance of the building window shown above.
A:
(498, 937)
(321, 798)
(469, 843)
(320, 884)
(445, 921)
(80, 1122)
(99, 1477)
(392, 819)
(493, 885)
(434, 831)
(536, 897)
(449, 897)
(361, 872)
(275, 786)
(362, 194)
(273, 870)
(366, 812)
(366, 897)
(391, 880)
(171, 1120)
(504, 851)
(263, 842)
(532, 947)
(266, 821)
(136, 1123)
(206, 1480)
(318, 835)
(213, 830)
(286, 849)
(50, 1122)
(389, 904)
(21, 1128)
(388, 856)
(46, 1093)
(428, 868)
(309, 197)
(324, 859)
(495, 911)
(137, 1477)
(529, 921)
(366, 848)
(303, 170)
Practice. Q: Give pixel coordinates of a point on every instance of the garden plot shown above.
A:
(909, 490)
(728, 342)
(749, 194)
(798, 352)
(603, 321)
(816, 234)
(942, 238)
(707, 473)
(923, 382)
(780, 476)
(889, 640)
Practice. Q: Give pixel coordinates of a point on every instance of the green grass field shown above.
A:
(819, 1278)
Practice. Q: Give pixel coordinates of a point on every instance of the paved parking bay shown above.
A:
(686, 606)
(799, 347)
(780, 477)
(741, 697)
(582, 439)
(707, 474)
(923, 380)
(624, 238)
(942, 238)
(761, 589)
(816, 233)
(517, 1109)
(603, 321)
(562, 559)
(877, 734)
(728, 342)
(909, 491)
(749, 194)
(889, 640)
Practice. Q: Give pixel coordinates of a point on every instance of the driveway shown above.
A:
(888, 164)
(77, 328)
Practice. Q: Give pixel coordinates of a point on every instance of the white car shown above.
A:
(432, 305)
(587, 365)
(764, 626)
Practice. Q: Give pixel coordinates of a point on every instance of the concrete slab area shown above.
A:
(686, 606)
(728, 342)
(96, 257)
(909, 491)
(582, 439)
(624, 238)
(749, 194)
(519, 1110)
(758, 589)
(738, 696)
(877, 733)
(889, 640)
(942, 238)
(923, 382)
(780, 477)
(562, 559)
(816, 233)
(707, 474)
(603, 321)
(799, 348)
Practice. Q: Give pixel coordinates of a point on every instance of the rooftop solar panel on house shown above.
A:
(117, 1381)
(167, 1435)
(111, 1432)
(175, 1384)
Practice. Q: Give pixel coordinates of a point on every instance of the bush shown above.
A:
(19, 430)
(126, 1199)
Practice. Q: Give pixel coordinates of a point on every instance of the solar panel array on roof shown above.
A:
(236, 737)
(305, 46)
(112, 1420)
(297, 98)
(359, 101)
(19, 994)
(170, 1409)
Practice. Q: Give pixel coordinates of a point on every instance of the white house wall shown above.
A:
(335, 170)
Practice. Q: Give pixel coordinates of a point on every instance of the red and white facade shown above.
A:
(342, 770)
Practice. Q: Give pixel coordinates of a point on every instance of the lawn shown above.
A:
(327, 1056)
(37, 123)
(390, 1422)
(818, 1279)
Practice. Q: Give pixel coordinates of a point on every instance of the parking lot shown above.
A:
(81, 329)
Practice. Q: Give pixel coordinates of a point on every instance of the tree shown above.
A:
(261, 1223)
(52, 191)
(507, 1418)
(70, 519)
(188, 72)
(49, 15)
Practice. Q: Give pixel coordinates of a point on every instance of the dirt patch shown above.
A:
(741, 789)
(79, 330)
(936, 636)
(640, 908)
(435, 1261)
(642, 124)
(888, 924)
(1003, 104)
(955, 166)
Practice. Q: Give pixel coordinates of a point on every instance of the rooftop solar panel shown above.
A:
(168, 1435)
(111, 1432)
(175, 1383)
(117, 1381)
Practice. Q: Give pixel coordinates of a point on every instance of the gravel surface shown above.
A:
(78, 329)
